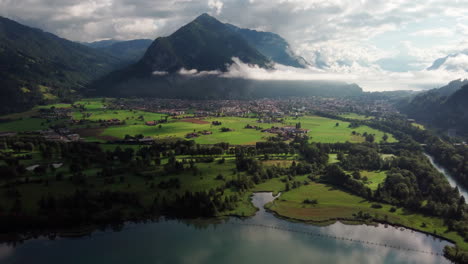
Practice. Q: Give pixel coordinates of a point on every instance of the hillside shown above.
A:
(37, 66)
(208, 46)
(272, 46)
(204, 44)
(130, 51)
(444, 108)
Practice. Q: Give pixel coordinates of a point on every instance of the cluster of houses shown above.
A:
(61, 134)
(199, 133)
(205, 108)
(248, 126)
(55, 113)
(269, 120)
(155, 122)
(287, 132)
(111, 122)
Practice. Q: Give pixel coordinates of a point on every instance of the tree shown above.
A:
(356, 175)
(385, 137)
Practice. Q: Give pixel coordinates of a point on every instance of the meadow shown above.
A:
(321, 129)
(374, 178)
(356, 116)
(333, 204)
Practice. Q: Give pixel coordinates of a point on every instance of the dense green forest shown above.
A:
(37, 66)
(443, 109)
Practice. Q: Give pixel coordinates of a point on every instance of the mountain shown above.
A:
(444, 108)
(272, 46)
(101, 43)
(204, 44)
(207, 47)
(36, 66)
(129, 51)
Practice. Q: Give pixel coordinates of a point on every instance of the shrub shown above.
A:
(310, 201)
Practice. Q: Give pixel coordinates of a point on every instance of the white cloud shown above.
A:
(335, 33)
(217, 5)
(434, 32)
(196, 73)
(369, 78)
(458, 62)
(160, 73)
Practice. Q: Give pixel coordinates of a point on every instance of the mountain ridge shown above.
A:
(129, 51)
(209, 46)
(37, 66)
(205, 44)
(444, 108)
(272, 45)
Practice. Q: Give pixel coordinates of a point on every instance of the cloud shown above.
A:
(458, 62)
(369, 78)
(338, 37)
(434, 32)
(160, 73)
(196, 73)
(217, 5)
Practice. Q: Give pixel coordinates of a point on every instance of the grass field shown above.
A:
(374, 178)
(333, 158)
(321, 129)
(275, 185)
(335, 204)
(356, 116)
(178, 129)
(324, 130)
(422, 127)
(22, 125)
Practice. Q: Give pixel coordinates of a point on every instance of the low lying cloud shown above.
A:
(160, 73)
(196, 73)
(369, 78)
(458, 62)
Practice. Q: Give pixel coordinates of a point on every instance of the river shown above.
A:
(263, 238)
(452, 180)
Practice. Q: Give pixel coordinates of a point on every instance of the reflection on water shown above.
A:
(261, 239)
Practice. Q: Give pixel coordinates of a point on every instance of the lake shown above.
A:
(263, 238)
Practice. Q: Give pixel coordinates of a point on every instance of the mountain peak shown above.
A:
(205, 16)
(204, 44)
(205, 19)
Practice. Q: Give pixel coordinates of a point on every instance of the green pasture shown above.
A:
(179, 129)
(356, 116)
(374, 178)
(322, 129)
(23, 125)
(420, 126)
(333, 158)
(325, 130)
(333, 203)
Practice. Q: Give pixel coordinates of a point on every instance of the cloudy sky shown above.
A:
(379, 44)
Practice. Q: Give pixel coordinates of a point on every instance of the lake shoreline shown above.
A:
(89, 230)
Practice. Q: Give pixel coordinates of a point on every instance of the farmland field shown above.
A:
(333, 203)
(374, 178)
(325, 130)
(95, 111)
(321, 130)
(356, 116)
